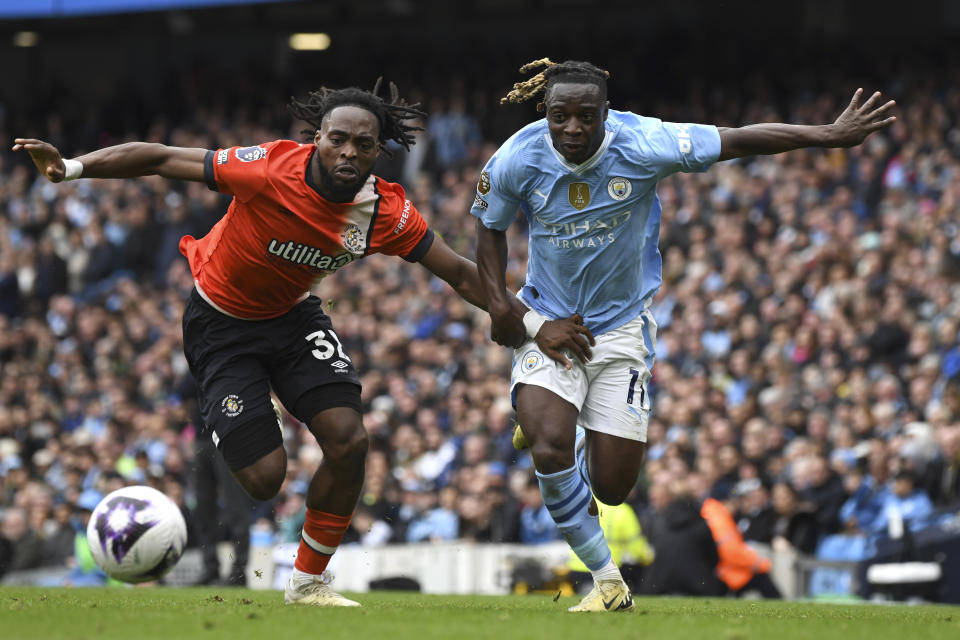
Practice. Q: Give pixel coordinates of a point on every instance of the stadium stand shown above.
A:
(808, 366)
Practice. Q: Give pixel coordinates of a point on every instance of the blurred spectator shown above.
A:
(794, 528)
(223, 509)
(536, 524)
(740, 567)
(370, 531)
(903, 506)
(454, 133)
(756, 517)
(823, 490)
(946, 469)
(686, 558)
(437, 523)
(84, 571)
(25, 545)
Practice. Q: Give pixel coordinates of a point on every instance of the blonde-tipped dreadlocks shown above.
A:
(391, 116)
(553, 72)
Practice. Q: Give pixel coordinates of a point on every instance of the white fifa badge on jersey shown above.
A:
(619, 188)
(579, 195)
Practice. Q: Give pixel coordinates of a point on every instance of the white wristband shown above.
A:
(533, 320)
(72, 169)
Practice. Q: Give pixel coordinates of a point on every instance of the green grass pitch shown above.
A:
(236, 614)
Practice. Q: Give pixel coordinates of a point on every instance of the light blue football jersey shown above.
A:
(594, 227)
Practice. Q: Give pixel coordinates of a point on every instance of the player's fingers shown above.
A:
(559, 357)
(876, 126)
(879, 111)
(870, 101)
(577, 318)
(856, 98)
(30, 144)
(578, 346)
(589, 334)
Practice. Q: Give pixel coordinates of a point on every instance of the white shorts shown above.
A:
(609, 391)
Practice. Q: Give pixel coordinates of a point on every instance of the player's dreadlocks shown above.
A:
(553, 72)
(391, 115)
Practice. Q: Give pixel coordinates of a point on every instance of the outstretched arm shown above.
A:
(850, 129)
(128, 160)
(457, 271)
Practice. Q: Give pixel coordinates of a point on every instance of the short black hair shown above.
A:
(392, 115)
(553, 72)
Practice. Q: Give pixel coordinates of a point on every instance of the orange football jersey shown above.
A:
(279, 235)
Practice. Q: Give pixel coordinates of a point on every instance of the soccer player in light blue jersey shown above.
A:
(586, 177)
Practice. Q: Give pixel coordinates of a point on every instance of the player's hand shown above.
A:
(506, 325)
(858, 121)
(45, 156)
(568, 334)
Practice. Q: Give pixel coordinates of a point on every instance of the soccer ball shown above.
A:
(136, 534)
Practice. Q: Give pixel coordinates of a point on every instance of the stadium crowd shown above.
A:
(808, 365)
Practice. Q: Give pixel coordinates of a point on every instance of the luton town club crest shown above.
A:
(579, 194)
(353, 239)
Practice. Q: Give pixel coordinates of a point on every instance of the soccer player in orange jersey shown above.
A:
(299, 213)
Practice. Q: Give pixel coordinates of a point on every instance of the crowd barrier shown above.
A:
(489, 569)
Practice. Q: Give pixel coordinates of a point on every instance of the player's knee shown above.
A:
(347, 446)
(262, 480)
(263, 488)
(610, 494)
(550, 458)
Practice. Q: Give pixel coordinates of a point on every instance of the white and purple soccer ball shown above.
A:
(136, 534)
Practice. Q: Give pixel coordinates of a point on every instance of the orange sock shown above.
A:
(321, 536)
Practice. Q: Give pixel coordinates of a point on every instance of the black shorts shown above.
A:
(236, 362)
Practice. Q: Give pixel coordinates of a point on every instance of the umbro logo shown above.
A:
(339, 366)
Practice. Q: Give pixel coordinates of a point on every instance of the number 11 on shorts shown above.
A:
(634, 375)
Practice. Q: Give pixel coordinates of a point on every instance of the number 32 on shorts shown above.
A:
(324, 348)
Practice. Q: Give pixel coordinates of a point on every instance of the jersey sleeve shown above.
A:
(400, 230)
(238, 171)
(685, 147)
(498, 194)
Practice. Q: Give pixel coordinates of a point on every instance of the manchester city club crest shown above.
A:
(579, 194)
(353, 239)
(531, 360)
(619, 188)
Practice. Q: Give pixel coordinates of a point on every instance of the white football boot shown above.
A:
(606, 595)
(315, 590)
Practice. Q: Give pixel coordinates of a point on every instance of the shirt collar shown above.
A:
(587, 164)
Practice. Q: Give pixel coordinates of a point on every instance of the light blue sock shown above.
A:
(580, 455)
(567, 498)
